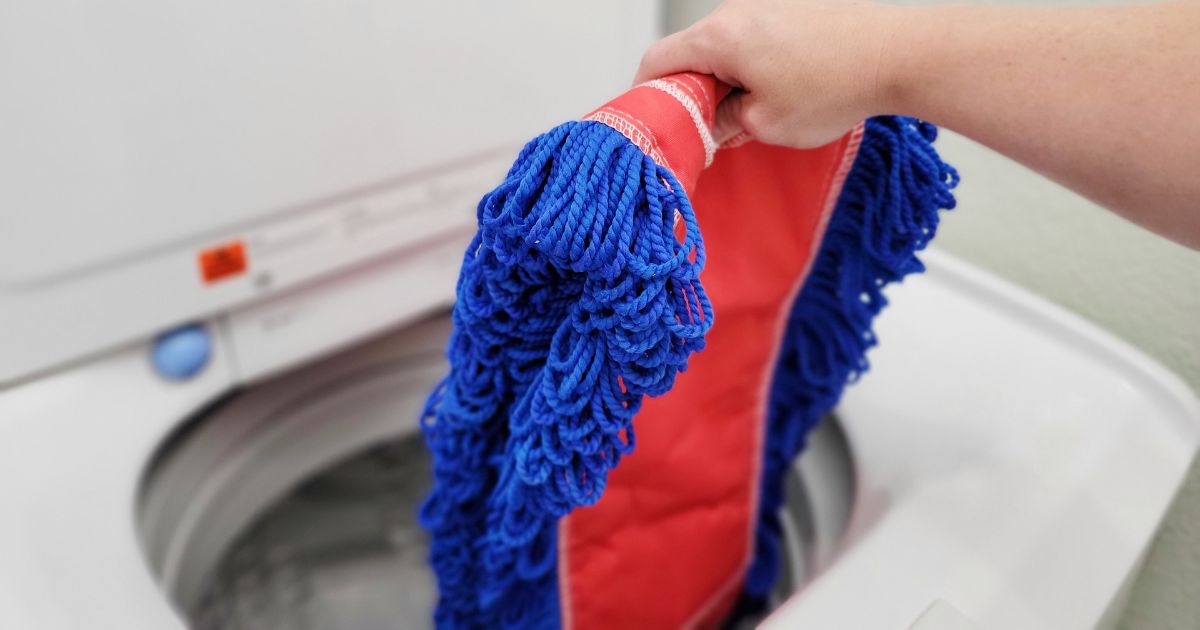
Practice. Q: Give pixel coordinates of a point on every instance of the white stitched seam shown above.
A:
(691, 94)
(620, 121)
(693, 110)
(699, 88)
(649, 132)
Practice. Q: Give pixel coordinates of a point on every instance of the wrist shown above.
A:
(909, 57)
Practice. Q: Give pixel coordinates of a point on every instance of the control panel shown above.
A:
(416, 225)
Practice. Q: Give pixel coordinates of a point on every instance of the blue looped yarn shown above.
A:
(886, 213)
(576, 299)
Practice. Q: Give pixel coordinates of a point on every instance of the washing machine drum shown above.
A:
(293, 504)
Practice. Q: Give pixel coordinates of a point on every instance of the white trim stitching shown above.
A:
(693, 110)
(620, 121)
(708, 104)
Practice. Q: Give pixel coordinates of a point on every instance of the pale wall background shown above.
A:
(1139, 286)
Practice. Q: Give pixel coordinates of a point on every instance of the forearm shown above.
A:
(1105, 100)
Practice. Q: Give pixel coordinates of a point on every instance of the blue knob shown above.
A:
(182, 353)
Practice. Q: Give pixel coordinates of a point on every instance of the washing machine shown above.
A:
(231, 233)
(229, 239)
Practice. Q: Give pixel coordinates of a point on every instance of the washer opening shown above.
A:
(292, 504)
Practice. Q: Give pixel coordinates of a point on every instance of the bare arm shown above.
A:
(1103, 99)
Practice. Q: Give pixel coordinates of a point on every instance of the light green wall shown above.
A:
(1024, 227)
(1137, 285)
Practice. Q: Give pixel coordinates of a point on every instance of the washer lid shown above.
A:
(162, 161)
(1011, 459)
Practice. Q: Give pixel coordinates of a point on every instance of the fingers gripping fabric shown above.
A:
(575, 301)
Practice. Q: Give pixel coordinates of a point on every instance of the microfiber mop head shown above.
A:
(579, 303)
(575, 301)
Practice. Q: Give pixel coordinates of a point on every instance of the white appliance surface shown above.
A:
(138, 135)
(1012, 461)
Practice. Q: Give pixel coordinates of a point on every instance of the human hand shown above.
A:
(808, 70)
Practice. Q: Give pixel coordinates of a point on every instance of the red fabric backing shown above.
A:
(660, 125)
(668, 543)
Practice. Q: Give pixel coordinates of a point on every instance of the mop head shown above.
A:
(580, 296)
(576, 300)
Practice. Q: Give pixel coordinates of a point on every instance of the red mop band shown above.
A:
(671, 120)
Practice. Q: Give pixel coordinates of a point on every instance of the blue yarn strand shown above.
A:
(575, 301)
(886, 213)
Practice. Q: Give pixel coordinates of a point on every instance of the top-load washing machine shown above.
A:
(198, 197)
(230, 237)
